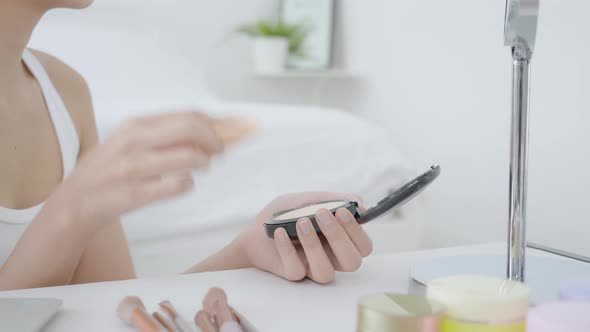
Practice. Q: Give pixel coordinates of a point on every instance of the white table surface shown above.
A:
(270, 303)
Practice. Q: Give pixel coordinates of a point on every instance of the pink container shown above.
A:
(575, 291)
(560, 317)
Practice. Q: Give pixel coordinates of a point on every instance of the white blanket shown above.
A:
(298, 149)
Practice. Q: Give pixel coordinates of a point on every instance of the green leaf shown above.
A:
(294, 33)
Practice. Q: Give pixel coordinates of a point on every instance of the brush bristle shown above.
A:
(168, 309)
(214, 295)
(127, 306)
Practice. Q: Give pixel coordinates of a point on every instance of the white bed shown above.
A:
(298, 149)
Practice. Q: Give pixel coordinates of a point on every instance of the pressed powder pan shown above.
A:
(288, 219)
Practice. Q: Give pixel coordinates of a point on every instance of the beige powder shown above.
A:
(310, 210)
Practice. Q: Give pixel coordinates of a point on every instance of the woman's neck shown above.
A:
(17, 21)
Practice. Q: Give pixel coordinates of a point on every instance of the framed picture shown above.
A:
(317, 16)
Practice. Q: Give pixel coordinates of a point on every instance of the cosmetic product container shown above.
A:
(578, 290)
(560, 317)
(288, 219)
(397, 313)
(480, 304)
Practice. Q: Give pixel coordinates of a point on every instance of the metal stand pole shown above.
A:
(520, 30)
(518, 171)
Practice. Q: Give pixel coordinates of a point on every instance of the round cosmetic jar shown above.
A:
(480, 304)
(560, 317)
(398, 313)
(578, 290)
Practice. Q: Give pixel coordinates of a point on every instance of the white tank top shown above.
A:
(13, 223)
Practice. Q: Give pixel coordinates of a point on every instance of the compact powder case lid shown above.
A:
(398, 313)
(288, 219)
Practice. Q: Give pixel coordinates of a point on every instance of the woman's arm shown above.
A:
(57, 248)
(129, 170)
(341, 248)
(231, 257)
(55, 251)
(107, 256)
(48, 252)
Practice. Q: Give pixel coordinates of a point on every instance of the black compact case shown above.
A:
(290, 224)
(394, 200)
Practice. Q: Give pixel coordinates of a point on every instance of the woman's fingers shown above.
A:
(116, 200)
(347, 255)
(155, 189)
(292, 267)
(144, 161)
(157, 162)
(355, 232)
(167, 130)
(321, 269)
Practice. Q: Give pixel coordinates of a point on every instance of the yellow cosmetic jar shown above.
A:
(480, 304)
(397, 313)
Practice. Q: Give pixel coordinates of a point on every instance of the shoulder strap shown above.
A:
(62, 122)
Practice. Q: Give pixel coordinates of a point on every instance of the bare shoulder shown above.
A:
(74, 92)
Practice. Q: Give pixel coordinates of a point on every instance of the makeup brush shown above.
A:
(235, 129)
(204, 321)
(132, 311)
(164, 322)
(231, 130)
(181, 324)
(244, 323)
(216, 301)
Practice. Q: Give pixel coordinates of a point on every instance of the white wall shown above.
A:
(437, 75)
(440, 80)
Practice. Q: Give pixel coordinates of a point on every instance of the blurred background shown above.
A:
(432, 78)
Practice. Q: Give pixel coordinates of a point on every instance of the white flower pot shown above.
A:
(270, 54)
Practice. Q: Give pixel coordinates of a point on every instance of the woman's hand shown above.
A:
(342, 246)
(146, 160)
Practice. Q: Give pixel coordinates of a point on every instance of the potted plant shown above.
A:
(273, 42)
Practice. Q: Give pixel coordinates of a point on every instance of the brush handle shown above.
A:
(168, 326)
(246, 325)
(231, 327)
(182, 325)
(143, 322)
